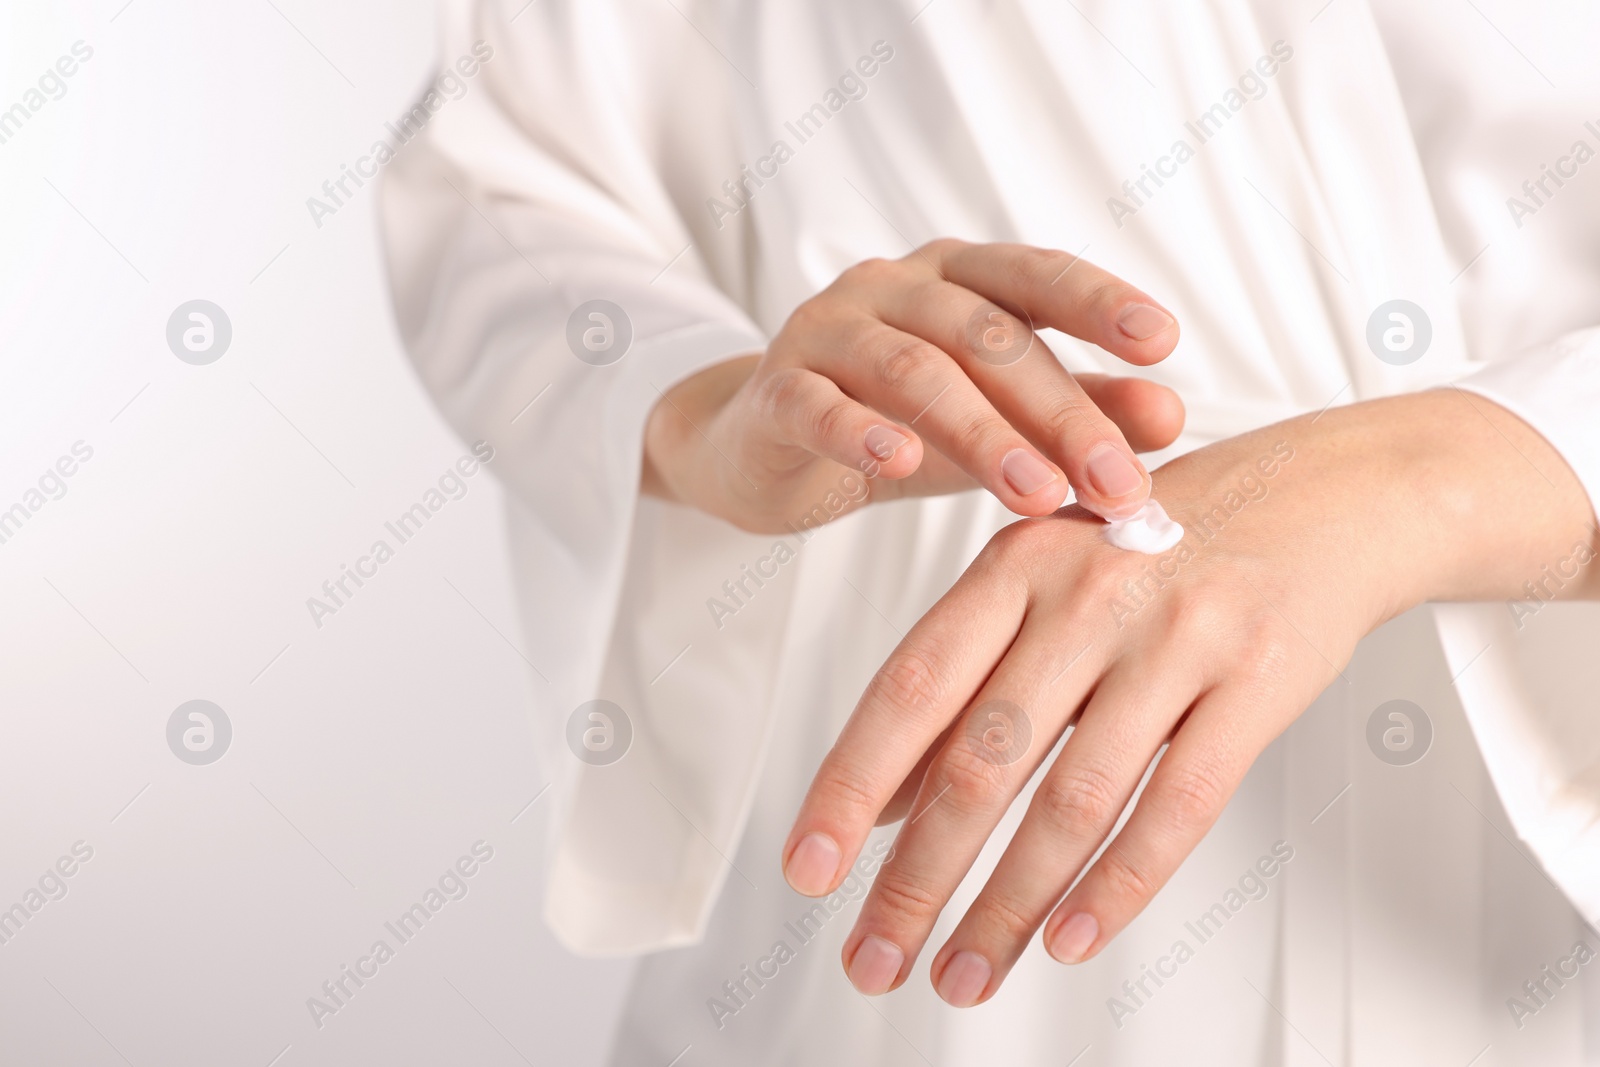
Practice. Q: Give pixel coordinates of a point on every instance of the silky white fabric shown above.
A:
(1374, 163)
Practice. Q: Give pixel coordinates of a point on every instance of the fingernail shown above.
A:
(964, 980)
(875, 966)
(1073, 937)
(812, 865)
(883, 442)
(1142, 322)
(1025, 472)
(1112, 473)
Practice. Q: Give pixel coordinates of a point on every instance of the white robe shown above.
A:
(587, 160)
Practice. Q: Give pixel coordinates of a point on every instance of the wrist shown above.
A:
(1369, 501)
(676, 461)
(1506, 503)
(1442, 495)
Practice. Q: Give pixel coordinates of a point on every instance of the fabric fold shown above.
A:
(1527, 667)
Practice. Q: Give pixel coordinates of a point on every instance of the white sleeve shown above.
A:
(574, 167)
(1555, 388)
(564, 173)
(1528, 667)
(1490, 132)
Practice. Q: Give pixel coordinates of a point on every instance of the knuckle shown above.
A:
(870, 273)
(780, 394)
(1194, 614)
(981, 435)
(1004, 921)
(901, 362)
(1007, 547)
(1270, 648)
(905, 902)
(1194, 794)
(1078, 797)
(1124, 880)
(1071, 417)
(909, 683)
(1018, 547)
(1039, 266)
(969, 782)
(848, 790)
(810, 316)
(971, 435)
(940, 247)
(1009, 539)
(830, 421)
(1108, 583)
(1099, 294)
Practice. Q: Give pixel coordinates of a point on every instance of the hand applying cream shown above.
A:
(1138, 525)
(1149, 530)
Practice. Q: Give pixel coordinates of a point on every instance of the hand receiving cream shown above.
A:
(1148, 530)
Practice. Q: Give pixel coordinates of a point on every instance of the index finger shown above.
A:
(1027, 384)
(931, 676)
(1064, 292)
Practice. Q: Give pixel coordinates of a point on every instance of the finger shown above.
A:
(1149, 415)
(917, 693)
(900, 804)
(1072, 812)
(1027, 385)
(1064, 292)
(812, 412)
(1202, 767)
(918, 384)
(936, 475)
(974, 778)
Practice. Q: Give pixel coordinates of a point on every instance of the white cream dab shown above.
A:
(1148, 530)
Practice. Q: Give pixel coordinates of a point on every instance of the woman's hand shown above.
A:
(1300, 539)
(913, 371)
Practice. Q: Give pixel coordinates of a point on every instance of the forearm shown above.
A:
(1440, 495)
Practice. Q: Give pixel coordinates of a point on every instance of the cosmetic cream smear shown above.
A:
(1147, 530)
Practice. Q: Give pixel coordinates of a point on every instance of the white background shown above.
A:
(367, 755)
